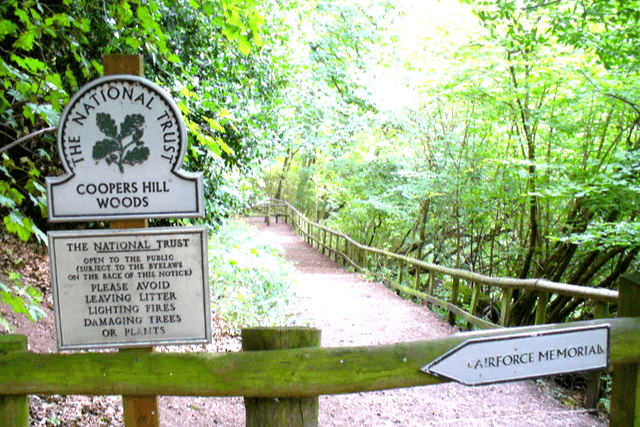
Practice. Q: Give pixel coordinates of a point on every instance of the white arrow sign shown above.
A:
(514, 357)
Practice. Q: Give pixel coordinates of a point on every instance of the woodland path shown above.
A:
(352, 311)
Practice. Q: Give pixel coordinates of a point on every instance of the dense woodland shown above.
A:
(497, 136)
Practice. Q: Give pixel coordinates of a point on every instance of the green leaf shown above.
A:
(71, 78)
(133, 42)
(223, 145)
(31, 64)
(7, 27)
(14, 224)
(136, 155)
(103, 148)
(55, 81)
(244, 45)
(16, 303)
(7, 202)
(18, 197)
(106, 125)
(130, 125)
(25, 41)
(46, 112)
(215, 124)
(23, 16)
(40, 235)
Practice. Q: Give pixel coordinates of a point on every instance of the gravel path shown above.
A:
(352, 311)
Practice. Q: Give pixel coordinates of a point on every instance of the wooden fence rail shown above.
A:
(309, 371)
(341, 248)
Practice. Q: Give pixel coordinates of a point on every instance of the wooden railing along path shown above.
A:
(395, 271)
(341, 248)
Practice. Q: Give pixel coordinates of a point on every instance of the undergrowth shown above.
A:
(20, 298)
(250, 279)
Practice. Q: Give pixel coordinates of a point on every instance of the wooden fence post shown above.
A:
(14, 410)
(432, 279)
(455, 288)
(400, 272)
(267, 218)
(324, 241)
(346, 251)
(282, 412)
(624, 390)
(505, 315)
(138, 411)
(473, 305)
(541, 307)
(416, 279)
(592, 392)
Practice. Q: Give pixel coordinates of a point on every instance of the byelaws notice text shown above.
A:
(123, 288)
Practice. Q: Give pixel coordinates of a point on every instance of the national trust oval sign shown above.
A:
(122, 141)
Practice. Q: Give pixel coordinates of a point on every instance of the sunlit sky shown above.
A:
(429, 26)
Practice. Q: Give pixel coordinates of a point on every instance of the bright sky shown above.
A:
(429, 27)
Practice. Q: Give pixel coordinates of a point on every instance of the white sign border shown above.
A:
(164, 231)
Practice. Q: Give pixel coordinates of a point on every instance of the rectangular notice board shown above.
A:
(130, 287)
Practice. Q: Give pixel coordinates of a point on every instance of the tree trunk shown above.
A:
(285, 171)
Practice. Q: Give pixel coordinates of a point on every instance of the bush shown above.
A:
(250, 280)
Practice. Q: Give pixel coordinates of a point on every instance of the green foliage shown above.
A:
(15, 193)
(21, 298)
(515, 152)
(608, 28)
(604, 404)
(33, 77)
(229, 98)
(329, 102)
(250, 280)
(220, 59)
(371, 203)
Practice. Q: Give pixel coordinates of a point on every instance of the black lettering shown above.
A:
(113, 93)
(127, 93)
(79, 118)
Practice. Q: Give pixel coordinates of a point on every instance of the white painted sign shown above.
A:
(514, 357)
(122, 141)
(130, 287)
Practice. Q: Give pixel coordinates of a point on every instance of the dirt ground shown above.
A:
(350, 311)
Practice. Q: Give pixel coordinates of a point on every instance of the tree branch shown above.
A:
(536, 6)
(27, 137)
(626, 101)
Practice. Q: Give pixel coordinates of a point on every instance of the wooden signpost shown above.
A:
(122, 141)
